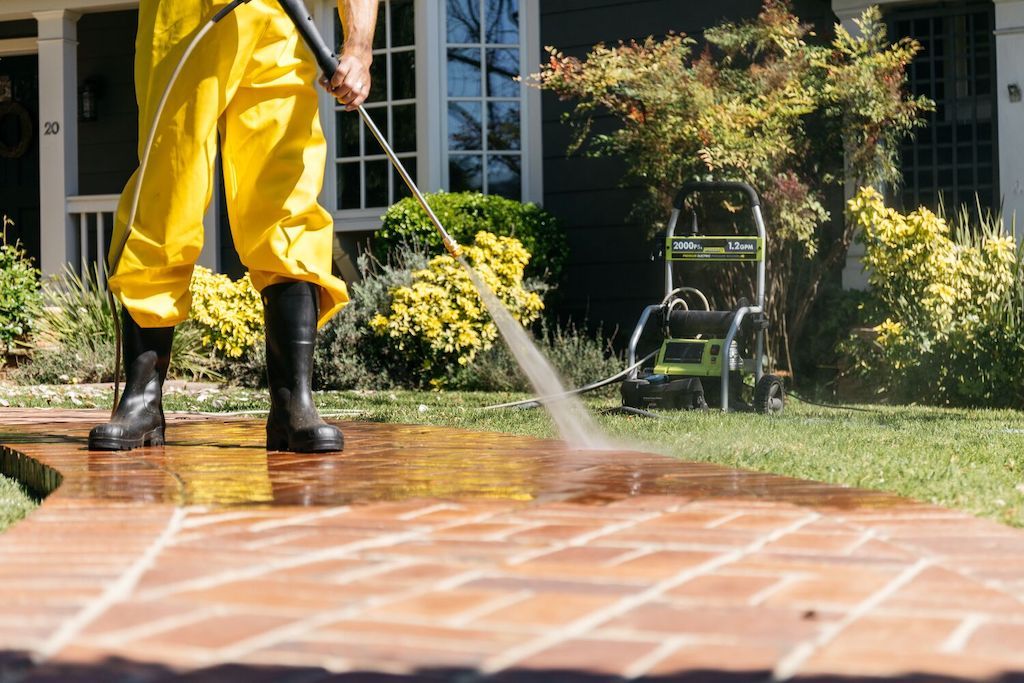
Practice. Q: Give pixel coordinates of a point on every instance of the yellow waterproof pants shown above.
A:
(250, 80)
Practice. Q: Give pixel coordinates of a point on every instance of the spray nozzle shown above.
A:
(452, 246)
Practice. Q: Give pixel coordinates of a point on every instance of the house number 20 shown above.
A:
(51, 127)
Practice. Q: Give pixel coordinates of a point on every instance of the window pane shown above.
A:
(380, 36)
(401, 189)
(504, 176)
(463, 21)
(403, 75)
(378, 79)
(405, 128)
(502, 69)
(403, 23)
(465, 122)
(503, 125)
(348, 186)
(502, 21)
(464, 173)
(464, 73)
(348, 134)
(378, 115)
(377, 183)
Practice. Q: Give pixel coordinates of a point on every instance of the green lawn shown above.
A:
(972, 460)
(15, 502)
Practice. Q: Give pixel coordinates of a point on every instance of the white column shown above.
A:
(58, 135)
(1010, 72)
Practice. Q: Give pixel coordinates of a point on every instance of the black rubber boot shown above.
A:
(290, 314)
(139, 418)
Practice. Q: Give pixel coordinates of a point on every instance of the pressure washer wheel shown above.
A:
(769, 395)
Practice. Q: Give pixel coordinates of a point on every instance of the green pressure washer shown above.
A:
(697, 357)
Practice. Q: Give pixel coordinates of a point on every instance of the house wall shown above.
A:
(25, 28)
(611, 276)
(107, 146)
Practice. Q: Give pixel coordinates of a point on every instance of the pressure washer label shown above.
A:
(715, 248)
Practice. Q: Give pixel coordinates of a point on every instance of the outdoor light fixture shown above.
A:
(87, 102)
(1014, 91)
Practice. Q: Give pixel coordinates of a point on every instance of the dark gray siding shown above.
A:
(611, 277)
(107, 147)
(25, 28)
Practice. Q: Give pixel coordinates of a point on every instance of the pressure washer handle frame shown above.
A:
(693, 188)
(327, 60)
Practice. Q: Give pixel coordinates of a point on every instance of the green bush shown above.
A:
(946, 309)
(19, 292)
(464, 214)
(75, 340)
(440, 320)
(578, 357)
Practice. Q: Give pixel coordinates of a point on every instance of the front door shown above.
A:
(19, 149)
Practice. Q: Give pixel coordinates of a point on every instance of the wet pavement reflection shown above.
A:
(222, 461)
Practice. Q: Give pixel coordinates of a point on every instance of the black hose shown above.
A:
(536, 401)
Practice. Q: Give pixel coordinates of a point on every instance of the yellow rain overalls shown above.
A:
(250, 80)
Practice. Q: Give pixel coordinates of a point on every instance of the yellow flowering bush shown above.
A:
(947, 306)
(438, 321)
(228, 312)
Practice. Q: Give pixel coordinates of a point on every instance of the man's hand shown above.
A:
(351, 82)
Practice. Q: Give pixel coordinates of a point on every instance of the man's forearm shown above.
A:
(358, 19)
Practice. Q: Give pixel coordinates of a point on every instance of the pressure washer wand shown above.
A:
(328, 62)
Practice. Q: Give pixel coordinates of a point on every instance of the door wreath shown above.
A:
(19, 148)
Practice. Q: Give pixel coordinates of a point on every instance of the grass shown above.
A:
(15, 502)
(967, 459)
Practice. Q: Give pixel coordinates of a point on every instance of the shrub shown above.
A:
(19, 292)
(439, 319)
(947, 307)
(579, 358)
(75, 338)
(464, 214)
(761, 105)
(228, 312)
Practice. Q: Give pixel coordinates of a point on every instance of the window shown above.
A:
(365, 178)
(953, 158)
(484, 109)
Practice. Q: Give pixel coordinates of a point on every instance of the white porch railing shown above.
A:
(94, 215)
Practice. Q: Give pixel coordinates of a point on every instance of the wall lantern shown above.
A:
(1014, 91)
(87, 97)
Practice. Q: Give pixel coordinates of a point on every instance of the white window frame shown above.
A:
(431, 110)
(529, 98)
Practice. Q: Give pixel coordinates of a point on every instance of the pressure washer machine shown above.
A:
(700, 357)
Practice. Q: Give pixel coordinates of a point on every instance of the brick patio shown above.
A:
(424, 554)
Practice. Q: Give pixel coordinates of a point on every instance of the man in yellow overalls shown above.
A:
(249, 81)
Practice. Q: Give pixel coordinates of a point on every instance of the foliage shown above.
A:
(75, 339)
(464, 214)
(439, 318)
(763, 105)
(15, 502)
(229, 312)
(579, 358)
(19, 291)
(948, 307)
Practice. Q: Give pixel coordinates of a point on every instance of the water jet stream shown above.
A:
(574, 423)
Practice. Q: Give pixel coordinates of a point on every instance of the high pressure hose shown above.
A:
(115, 256)
(538, 400)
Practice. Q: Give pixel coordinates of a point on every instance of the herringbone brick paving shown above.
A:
(427, 554)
